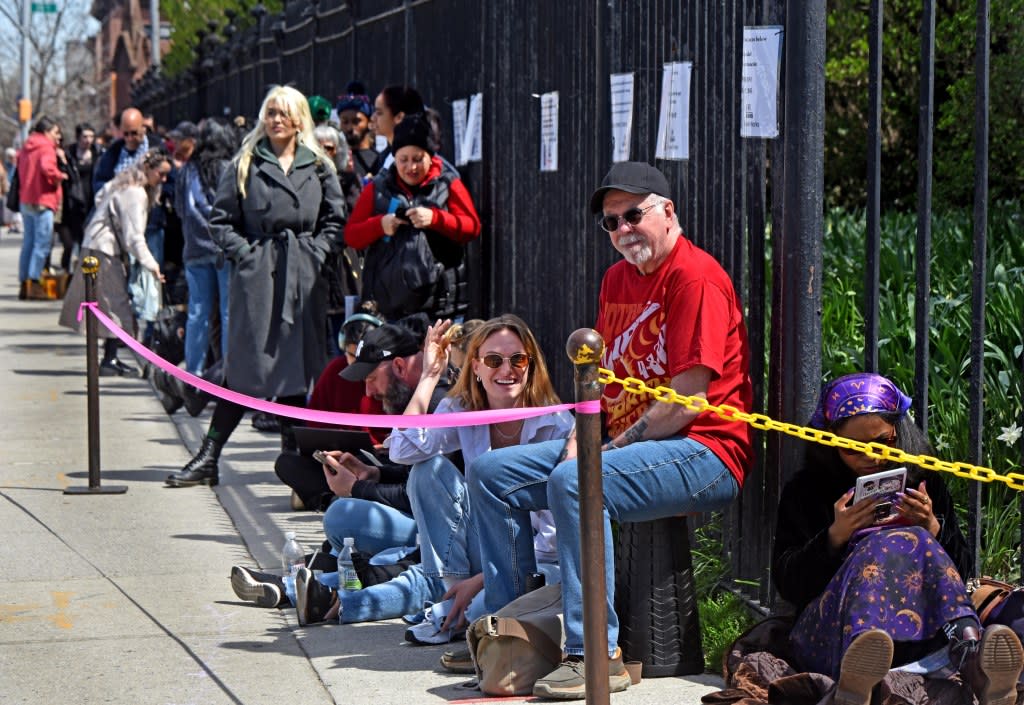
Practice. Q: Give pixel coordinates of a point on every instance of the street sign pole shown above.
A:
(26, 94)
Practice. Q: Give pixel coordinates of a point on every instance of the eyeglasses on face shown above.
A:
(888, 439)
(133, 133)
(519, 361)
(329, 148)
(611, 223)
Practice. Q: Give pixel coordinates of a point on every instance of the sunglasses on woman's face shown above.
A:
(329, 148)
(519, 361)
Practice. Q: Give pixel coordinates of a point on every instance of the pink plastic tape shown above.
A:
(464, 418)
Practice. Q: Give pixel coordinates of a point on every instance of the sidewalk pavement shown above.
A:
(126, 598)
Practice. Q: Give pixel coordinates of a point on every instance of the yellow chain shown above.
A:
(1013, 480)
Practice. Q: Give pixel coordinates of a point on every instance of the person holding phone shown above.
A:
(870, 597)
(413, 222)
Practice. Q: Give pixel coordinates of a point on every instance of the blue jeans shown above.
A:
(642, 481)
(398, 596)
(449, 544)
(37, 225)
(206, 284)
(374, 526)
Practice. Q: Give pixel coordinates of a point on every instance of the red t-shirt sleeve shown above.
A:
(460, 222)
(363, 227)
(700, 306)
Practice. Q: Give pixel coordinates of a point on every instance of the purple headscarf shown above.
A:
(859, 393)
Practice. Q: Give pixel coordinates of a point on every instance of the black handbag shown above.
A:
(13, 197)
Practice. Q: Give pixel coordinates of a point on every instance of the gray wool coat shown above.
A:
(277, 239)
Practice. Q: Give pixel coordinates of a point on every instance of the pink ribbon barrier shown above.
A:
(463, 418)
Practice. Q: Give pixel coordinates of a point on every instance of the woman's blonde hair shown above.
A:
(135, 175)
(294, 104)
(538, 391)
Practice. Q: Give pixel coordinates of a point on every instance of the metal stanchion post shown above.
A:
(584, 348)
(90, 266)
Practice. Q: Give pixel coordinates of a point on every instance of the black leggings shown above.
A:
(227, 415)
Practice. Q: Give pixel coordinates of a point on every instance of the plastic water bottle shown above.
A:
(347, 575)
(292, 555)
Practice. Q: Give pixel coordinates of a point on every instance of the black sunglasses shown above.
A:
(519, 361)
(611, 223)
(133, 133)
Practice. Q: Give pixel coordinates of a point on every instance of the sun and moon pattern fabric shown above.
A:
(898, 579)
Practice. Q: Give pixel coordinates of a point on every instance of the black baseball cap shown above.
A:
(631, 177)
(381, 344)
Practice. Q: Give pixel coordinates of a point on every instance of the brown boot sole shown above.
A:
(865, 664)
(1001, 659)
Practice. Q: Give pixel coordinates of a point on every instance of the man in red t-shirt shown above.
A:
(670, 316)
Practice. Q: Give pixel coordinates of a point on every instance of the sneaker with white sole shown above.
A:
(264, 589)
(866, 661)
(429, 630)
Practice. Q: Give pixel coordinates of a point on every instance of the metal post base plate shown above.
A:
(105, 489)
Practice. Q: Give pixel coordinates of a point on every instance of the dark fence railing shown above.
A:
(541, 256)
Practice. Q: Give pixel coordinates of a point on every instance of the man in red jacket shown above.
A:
(39, 179)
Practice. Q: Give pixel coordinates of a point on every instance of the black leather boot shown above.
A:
(201, 470)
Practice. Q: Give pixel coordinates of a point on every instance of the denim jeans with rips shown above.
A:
(642, 481)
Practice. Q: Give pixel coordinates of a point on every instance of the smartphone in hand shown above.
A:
(321, 457)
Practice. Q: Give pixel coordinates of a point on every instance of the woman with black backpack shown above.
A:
(413, 221)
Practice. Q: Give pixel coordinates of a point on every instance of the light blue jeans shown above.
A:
(37, 226)
(374, 526)
(642, 481)
(399, 596)
(206, 284)
(449, 544)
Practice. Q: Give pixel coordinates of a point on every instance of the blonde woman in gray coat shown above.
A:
(115, 229)
(279, 213)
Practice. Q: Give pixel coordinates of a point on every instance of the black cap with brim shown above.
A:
(377, 346)
(631, 177)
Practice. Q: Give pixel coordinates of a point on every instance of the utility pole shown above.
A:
(25, 103)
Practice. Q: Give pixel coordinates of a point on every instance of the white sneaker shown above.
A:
(429, 630)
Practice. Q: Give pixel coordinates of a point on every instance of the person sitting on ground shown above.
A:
(505, 369)
(419, 199)
(302, 473)
(508, 370)
(278, 215)
(117, 228)
(870, 595)
(369, 503)
(669, 314)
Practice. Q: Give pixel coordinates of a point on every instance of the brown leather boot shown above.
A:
(992, 665)
(22, 291)
(35, 291)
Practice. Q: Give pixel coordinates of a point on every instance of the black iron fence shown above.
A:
(541, 255)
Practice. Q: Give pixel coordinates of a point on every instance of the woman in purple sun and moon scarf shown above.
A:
(870, 597)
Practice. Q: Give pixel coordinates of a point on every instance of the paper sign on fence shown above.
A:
(762, 51)
(549, 131)
(622, 115)
(674, 117)
(459, 130)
